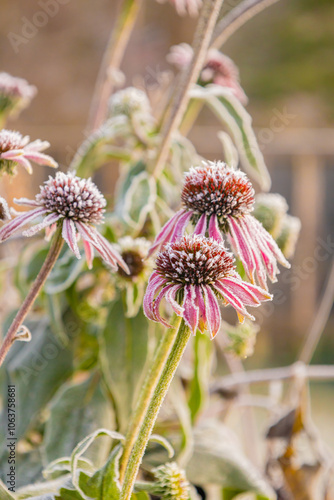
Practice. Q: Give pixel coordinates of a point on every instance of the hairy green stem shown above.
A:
(146, 393)
(188, 77)
(160, 391)
(112, 60)
(49, 262)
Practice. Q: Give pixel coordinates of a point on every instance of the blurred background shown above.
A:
(285, 57)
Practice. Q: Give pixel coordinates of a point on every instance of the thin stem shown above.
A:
(319, 322)
(150, 382)
(188, 77)
(157, 399)
(49, 262)
(311, 372)
(112, 60)
(236, 18)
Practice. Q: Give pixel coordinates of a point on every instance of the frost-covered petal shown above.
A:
(41, 159)
(26, 202)
(154, 284)
(4, 210)
(49, 220)
(89, 253)
(156, 306)
(70, 236)
(214, 229)
(170, 297)
(250, 295)
(191, 310)
(212, 311)
(21, 220)
(200, 227)
(166, 232)
(232, 299)
(243, 247)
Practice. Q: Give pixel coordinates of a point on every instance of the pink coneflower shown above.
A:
(191, 274)
(15, 93)
(183, 7)
(219, 199)
(16, 149)
(218, 68)
(77, 205)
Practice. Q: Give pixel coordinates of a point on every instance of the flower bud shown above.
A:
(288, 237)
(270, 210)
(241, 339)
(171, 482)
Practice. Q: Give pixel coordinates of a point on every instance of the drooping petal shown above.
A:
(214, 229)
(154, 284)
(70, 236)
(200, 227)
(170, 297)
(165, 233)
(250, 295)
(212, 311)
(200, 303)
(21, 220)
(233, 299)
(243, 247)
(25, 163)
(49, 220)
(89, 252)
(180, 226)
(156, 306)
(191, 311)
(41, 159)
(269, 240)
(49, 231)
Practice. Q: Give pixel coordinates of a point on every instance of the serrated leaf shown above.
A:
(123, 352)
(75, 411)
(230, 112)
(37, 369)
(218, 459)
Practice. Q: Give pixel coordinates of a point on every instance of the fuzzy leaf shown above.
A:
(218, 459)
(123, 352)
(233, 115)
(75, 411)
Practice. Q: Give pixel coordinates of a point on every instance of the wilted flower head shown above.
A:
(171, 482)
(183, 7)
(74, 203)
(129, 101)
(4, 210)
(17, 150)
(288, 237)
(218, 68)
(219, 200)
(241, 339)
(191, 274)
(15, 94)
(270, 210)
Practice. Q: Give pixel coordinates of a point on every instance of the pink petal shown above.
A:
(21, 160)
(170, 297)
(41, 159)
(156, 306)
(212, 311)
(27, 203)
(271, 243)
(21, 220)
(200, 227)
(49, 231)
(243, 246)
(48, 221)
(165, 233)
(37, 145)
(202, 320)
(232, 299)
(69, 235)
(89, 252)
(214, 231)
(155, 282)
(191, 311)
(180, 226)
(12, 154)
(250, 295)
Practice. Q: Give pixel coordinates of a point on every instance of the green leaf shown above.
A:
(155, 438)
(75, 411)
(43, 490)
(4, 493)
(142, 495)
(200, 380)
(218, 459)
(233, 115)
(123, 352)
(64, 273)
(37, 369)
(105, 482)
(139, 200)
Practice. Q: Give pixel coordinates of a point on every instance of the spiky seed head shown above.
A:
(171, 482)
(194, 260)
(215, 188)
(73, 197)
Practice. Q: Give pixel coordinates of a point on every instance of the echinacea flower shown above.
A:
(133, 252)
(15, 94)
(219, 200)
(191, 274)
(16, 149)
(218, 68)
(184, 7)
(77, 205)
(171, 482)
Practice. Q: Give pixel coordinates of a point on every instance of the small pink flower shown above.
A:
(219, 200)
(192, 274)
(183, 7)
(218, 68)
(15, 93)
(16, 149)
(77, 205)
